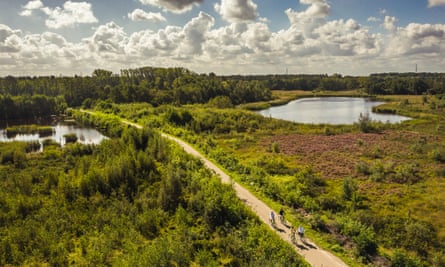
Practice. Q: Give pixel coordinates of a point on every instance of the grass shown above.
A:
(29, 129)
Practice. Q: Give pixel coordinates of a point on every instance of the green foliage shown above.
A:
(180, 118)
(29, 107)
(399, 259)
(29, 129)
(365, 123)
(220, 102)
(70, 138)
(349, 188)
(363, 236)
(136, 200)
(438, 154)
(275, 147)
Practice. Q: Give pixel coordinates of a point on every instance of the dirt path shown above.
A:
(314, 255)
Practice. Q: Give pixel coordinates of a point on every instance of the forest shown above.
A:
(134, 200)
(138, 200)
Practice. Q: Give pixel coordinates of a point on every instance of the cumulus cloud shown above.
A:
(390, 23)
(237, 10)
(175, 6)
(312, 43)
(311, 18)
(34, 4)
(109, 38)
(374, 19)
(195, 33)
(141, 15)
(30, 6)
(417, 39)
(433, 3)
(9, 39)
(72, 14)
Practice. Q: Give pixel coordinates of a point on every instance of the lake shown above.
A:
(329, 110)
(85, 135)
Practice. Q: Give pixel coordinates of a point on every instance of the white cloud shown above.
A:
(195, 33)
(417, 39)
(109, 38)
(141, 15)
(374, 19)
(433, 3)
(237, 10)
(72, 14)
(175, 6)
(390, 23)
(26, 13)
(311, 44)
(34, 4)
(9, 39)
(30, 6)
(311, 18)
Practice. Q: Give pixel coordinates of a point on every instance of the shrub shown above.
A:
(318, 223)
(362, 167)
(349, 188)
(408, 173)
(399, 259)
(70, 138)
(365, 123)
(438, 154)
(275, 147)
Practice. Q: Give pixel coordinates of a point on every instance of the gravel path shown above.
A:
(314, 255)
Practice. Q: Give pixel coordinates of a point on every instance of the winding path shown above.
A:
(314, 255)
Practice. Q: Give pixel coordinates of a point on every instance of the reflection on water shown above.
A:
(329, 110)
(84, 135)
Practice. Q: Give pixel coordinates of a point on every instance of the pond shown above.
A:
(85, 135)
(329, 110)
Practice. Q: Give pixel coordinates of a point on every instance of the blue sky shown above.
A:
(351, 37)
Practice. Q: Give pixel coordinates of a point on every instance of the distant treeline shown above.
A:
(180, 86)
(380, 83)
(29, 107)
(156, 86)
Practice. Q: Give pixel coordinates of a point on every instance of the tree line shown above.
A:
(156, 86)
(180, 86)
(378, 83)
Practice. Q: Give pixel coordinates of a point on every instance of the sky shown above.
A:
(348, 37)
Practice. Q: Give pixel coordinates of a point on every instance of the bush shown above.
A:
(70, 138)
(438, 154)
(399, 259)
(275, 147)
(365, 123)
(349, 188)
(362, 167)
(362, 235)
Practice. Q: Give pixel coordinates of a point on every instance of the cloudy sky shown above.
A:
(351, 37)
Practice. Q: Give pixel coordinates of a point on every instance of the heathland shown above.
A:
(369, 192)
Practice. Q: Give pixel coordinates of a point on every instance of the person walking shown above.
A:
(281, 212)
(301, 232)
(272, 218)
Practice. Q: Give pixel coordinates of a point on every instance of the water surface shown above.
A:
(85, 135)
(329, 110)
